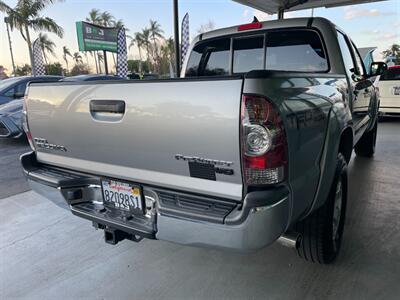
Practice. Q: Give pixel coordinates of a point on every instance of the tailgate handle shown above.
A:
(107, 106)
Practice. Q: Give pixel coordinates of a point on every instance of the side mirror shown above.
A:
(18, 95)
(377, 68)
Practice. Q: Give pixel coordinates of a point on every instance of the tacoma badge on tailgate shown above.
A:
(206, 168)
(44, 144)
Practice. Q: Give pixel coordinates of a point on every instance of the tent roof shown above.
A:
(273, 6)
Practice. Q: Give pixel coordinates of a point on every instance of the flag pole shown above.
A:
(176, 37)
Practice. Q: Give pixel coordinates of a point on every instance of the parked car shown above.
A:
(12, 91)
(14, 88)
(134, 76)
(91, 77)
(389, 89)
(251, 146)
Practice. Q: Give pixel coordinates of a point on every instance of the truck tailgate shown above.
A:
(152, 139)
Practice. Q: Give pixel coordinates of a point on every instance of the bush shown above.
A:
(54, 69)
(133, 66)
(80, 69)
(23, 70)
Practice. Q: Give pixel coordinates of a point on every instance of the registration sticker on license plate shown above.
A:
(396, 91)
(121, 195)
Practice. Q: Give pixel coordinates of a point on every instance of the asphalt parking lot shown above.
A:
(47, 253)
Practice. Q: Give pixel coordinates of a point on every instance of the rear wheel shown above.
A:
(323, 230)
(366, 145)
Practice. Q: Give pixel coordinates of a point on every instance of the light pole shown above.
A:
(176, 37)
(9, 42)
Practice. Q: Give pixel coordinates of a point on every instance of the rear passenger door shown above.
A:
(361, 90)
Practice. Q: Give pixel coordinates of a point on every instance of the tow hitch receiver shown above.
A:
(113, 236)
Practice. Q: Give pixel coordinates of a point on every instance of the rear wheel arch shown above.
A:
(346, 143)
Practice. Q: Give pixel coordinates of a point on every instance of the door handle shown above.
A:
(107, 106)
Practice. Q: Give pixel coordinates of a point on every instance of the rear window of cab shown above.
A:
(392, 73)
(297, 50)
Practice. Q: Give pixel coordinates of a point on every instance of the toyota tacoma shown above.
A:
(250, 146)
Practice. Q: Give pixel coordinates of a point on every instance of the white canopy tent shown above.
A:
(271, 7)
(278, 6)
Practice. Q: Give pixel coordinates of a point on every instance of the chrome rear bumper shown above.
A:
(245, 226)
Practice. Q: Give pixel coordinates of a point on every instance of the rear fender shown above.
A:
(339, 121)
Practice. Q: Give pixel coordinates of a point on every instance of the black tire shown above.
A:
(320, 241)
(366, 145)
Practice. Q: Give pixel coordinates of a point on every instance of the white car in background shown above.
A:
(389, 89)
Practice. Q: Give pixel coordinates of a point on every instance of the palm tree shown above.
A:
(137, 40)
(47, 46)
(100, 57)
(146, 41)
(77, 58)
(106, 19)
(393, 50)
(66, 53)
(26, 16)
(95, 18)
(155, 33)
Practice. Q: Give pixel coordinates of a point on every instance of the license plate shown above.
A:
(396, 90)
(121, 195)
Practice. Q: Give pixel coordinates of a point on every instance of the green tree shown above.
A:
(80, 69)
(106, 19)
(66, 53)
(95, 18)
(394, 50)
(137, 41)
(138, 66)
(77, 57)
(27, 16)
(156, 34)
(146, 42)
(47, 46)
(54, 69)
(23, 70)
(167, 55)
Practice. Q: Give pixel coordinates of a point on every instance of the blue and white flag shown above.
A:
(38, 68)
(122, 55)
(185, 37)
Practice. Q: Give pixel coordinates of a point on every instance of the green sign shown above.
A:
(93, 37)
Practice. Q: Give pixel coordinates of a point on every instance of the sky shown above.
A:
(374, 24)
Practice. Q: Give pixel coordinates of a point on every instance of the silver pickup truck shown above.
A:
(250, 146)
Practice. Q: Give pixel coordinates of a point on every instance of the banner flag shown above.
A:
(122, 55)
(185, 37)
(38, 67)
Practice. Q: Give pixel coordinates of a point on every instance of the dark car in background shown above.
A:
(91, 77)
(11, 112)
(14, 88)
(12, 91)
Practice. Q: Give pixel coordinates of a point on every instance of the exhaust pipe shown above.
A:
(290, 240)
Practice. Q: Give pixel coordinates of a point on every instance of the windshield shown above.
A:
(6, 83)
(391, 74)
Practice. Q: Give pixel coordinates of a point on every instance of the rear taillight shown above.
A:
(25, 124)
(263, 141)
